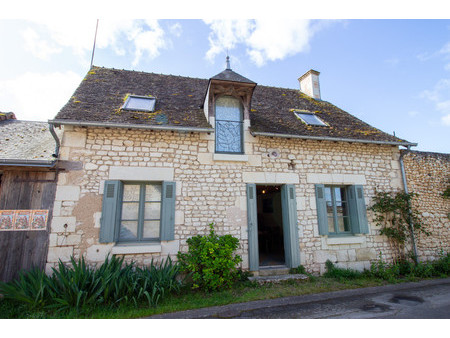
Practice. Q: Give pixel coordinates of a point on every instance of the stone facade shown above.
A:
(212, 188)
(428, 175)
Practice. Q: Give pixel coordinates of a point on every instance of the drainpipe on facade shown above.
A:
(413, 240)
(51, 128)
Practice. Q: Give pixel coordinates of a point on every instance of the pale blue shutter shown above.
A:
(290, 230)
(252, 226)
(321, 206)
(357, 210)
(168, 211)
(109, 222)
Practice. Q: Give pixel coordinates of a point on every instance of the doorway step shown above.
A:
(277, 278)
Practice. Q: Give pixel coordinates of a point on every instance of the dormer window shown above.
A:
(229, 125)
(309, 118)
(140, 103)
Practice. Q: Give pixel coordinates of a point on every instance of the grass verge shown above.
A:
(188, 299)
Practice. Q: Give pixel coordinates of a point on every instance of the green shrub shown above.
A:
(77, 286)
(340, 273)
(210, 260)
(298, 270)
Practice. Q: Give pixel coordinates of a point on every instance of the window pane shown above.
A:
(228, 137)
(128, 230)
(152, 211)
(311, 119)
(131, 192)
(331, 225)
(151, 229)
(343, 224)
(130, 210)
(229, 109)
(153, 193)
(140, 103)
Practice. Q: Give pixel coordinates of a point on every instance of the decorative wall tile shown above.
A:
(23, 220)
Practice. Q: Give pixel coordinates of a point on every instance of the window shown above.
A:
(138, 212)
(141, 212)
(229, 125)
(337, 210)
(139, 103)
(341, 210)
(309, 118)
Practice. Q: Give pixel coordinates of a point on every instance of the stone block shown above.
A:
(141, 173)
(323, 256)
(67, 193)
(98, 253)
(365, 254)
(63, 224)
(59, 253)
(74, 139)
(170, 248)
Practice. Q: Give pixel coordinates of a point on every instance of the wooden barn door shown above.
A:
(25, 249)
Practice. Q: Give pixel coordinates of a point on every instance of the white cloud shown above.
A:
(144, 35)
(176, 29)
(440, 96)
(38, 97)
(265, 39)
(446, 120)
(37, 46)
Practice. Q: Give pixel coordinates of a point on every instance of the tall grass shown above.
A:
(77, 286)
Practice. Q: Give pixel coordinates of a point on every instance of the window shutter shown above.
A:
(290, 230)
(110, 211)
(168, 211)
(358, 213)
(252, 226)
(321, 206)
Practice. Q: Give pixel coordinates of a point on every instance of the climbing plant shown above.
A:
(397, 217)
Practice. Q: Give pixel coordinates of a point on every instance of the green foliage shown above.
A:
(405, 268)
(210, 260)
(300, 270)
(340, 273)
(394, 213)
(78, 286)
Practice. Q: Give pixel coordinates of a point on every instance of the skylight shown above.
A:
(139, 103)
(309, 118)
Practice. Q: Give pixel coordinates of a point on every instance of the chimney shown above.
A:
(309, 84)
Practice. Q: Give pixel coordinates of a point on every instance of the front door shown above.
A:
(263, 217)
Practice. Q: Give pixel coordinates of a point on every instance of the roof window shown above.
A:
(309, 118)
(139, 103)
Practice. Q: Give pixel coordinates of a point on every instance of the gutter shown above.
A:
(51, 127)
(338, 139)
(129, 126)
(405, 185)
(27, 163)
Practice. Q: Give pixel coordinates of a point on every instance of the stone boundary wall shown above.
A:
(212, 188)
(428, 175)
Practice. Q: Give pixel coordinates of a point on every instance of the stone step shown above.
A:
(277, 279)
(273, 270)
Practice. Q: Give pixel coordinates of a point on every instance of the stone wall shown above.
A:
(212, 188)
(428, 175)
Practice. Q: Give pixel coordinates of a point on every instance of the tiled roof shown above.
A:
(26, 140)
(229, 75)
(179, 103)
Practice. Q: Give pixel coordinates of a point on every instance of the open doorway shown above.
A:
(270, 225)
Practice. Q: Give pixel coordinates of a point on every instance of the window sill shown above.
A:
(346, 240)
(230, 157)
(135, 248)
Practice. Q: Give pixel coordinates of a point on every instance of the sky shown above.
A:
(392, 72)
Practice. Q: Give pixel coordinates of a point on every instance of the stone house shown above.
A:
(151, 160)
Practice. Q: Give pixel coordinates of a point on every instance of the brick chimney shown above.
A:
(7, 116)
(309, 84)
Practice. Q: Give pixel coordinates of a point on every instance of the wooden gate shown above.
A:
(25, 190)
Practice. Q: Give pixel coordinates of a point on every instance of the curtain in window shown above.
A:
(229, 118)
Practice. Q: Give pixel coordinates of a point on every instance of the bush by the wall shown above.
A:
(211, 260)
(76, 286)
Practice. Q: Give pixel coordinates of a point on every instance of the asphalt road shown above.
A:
(422, 300)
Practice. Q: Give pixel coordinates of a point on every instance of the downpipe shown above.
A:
(411, 226)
